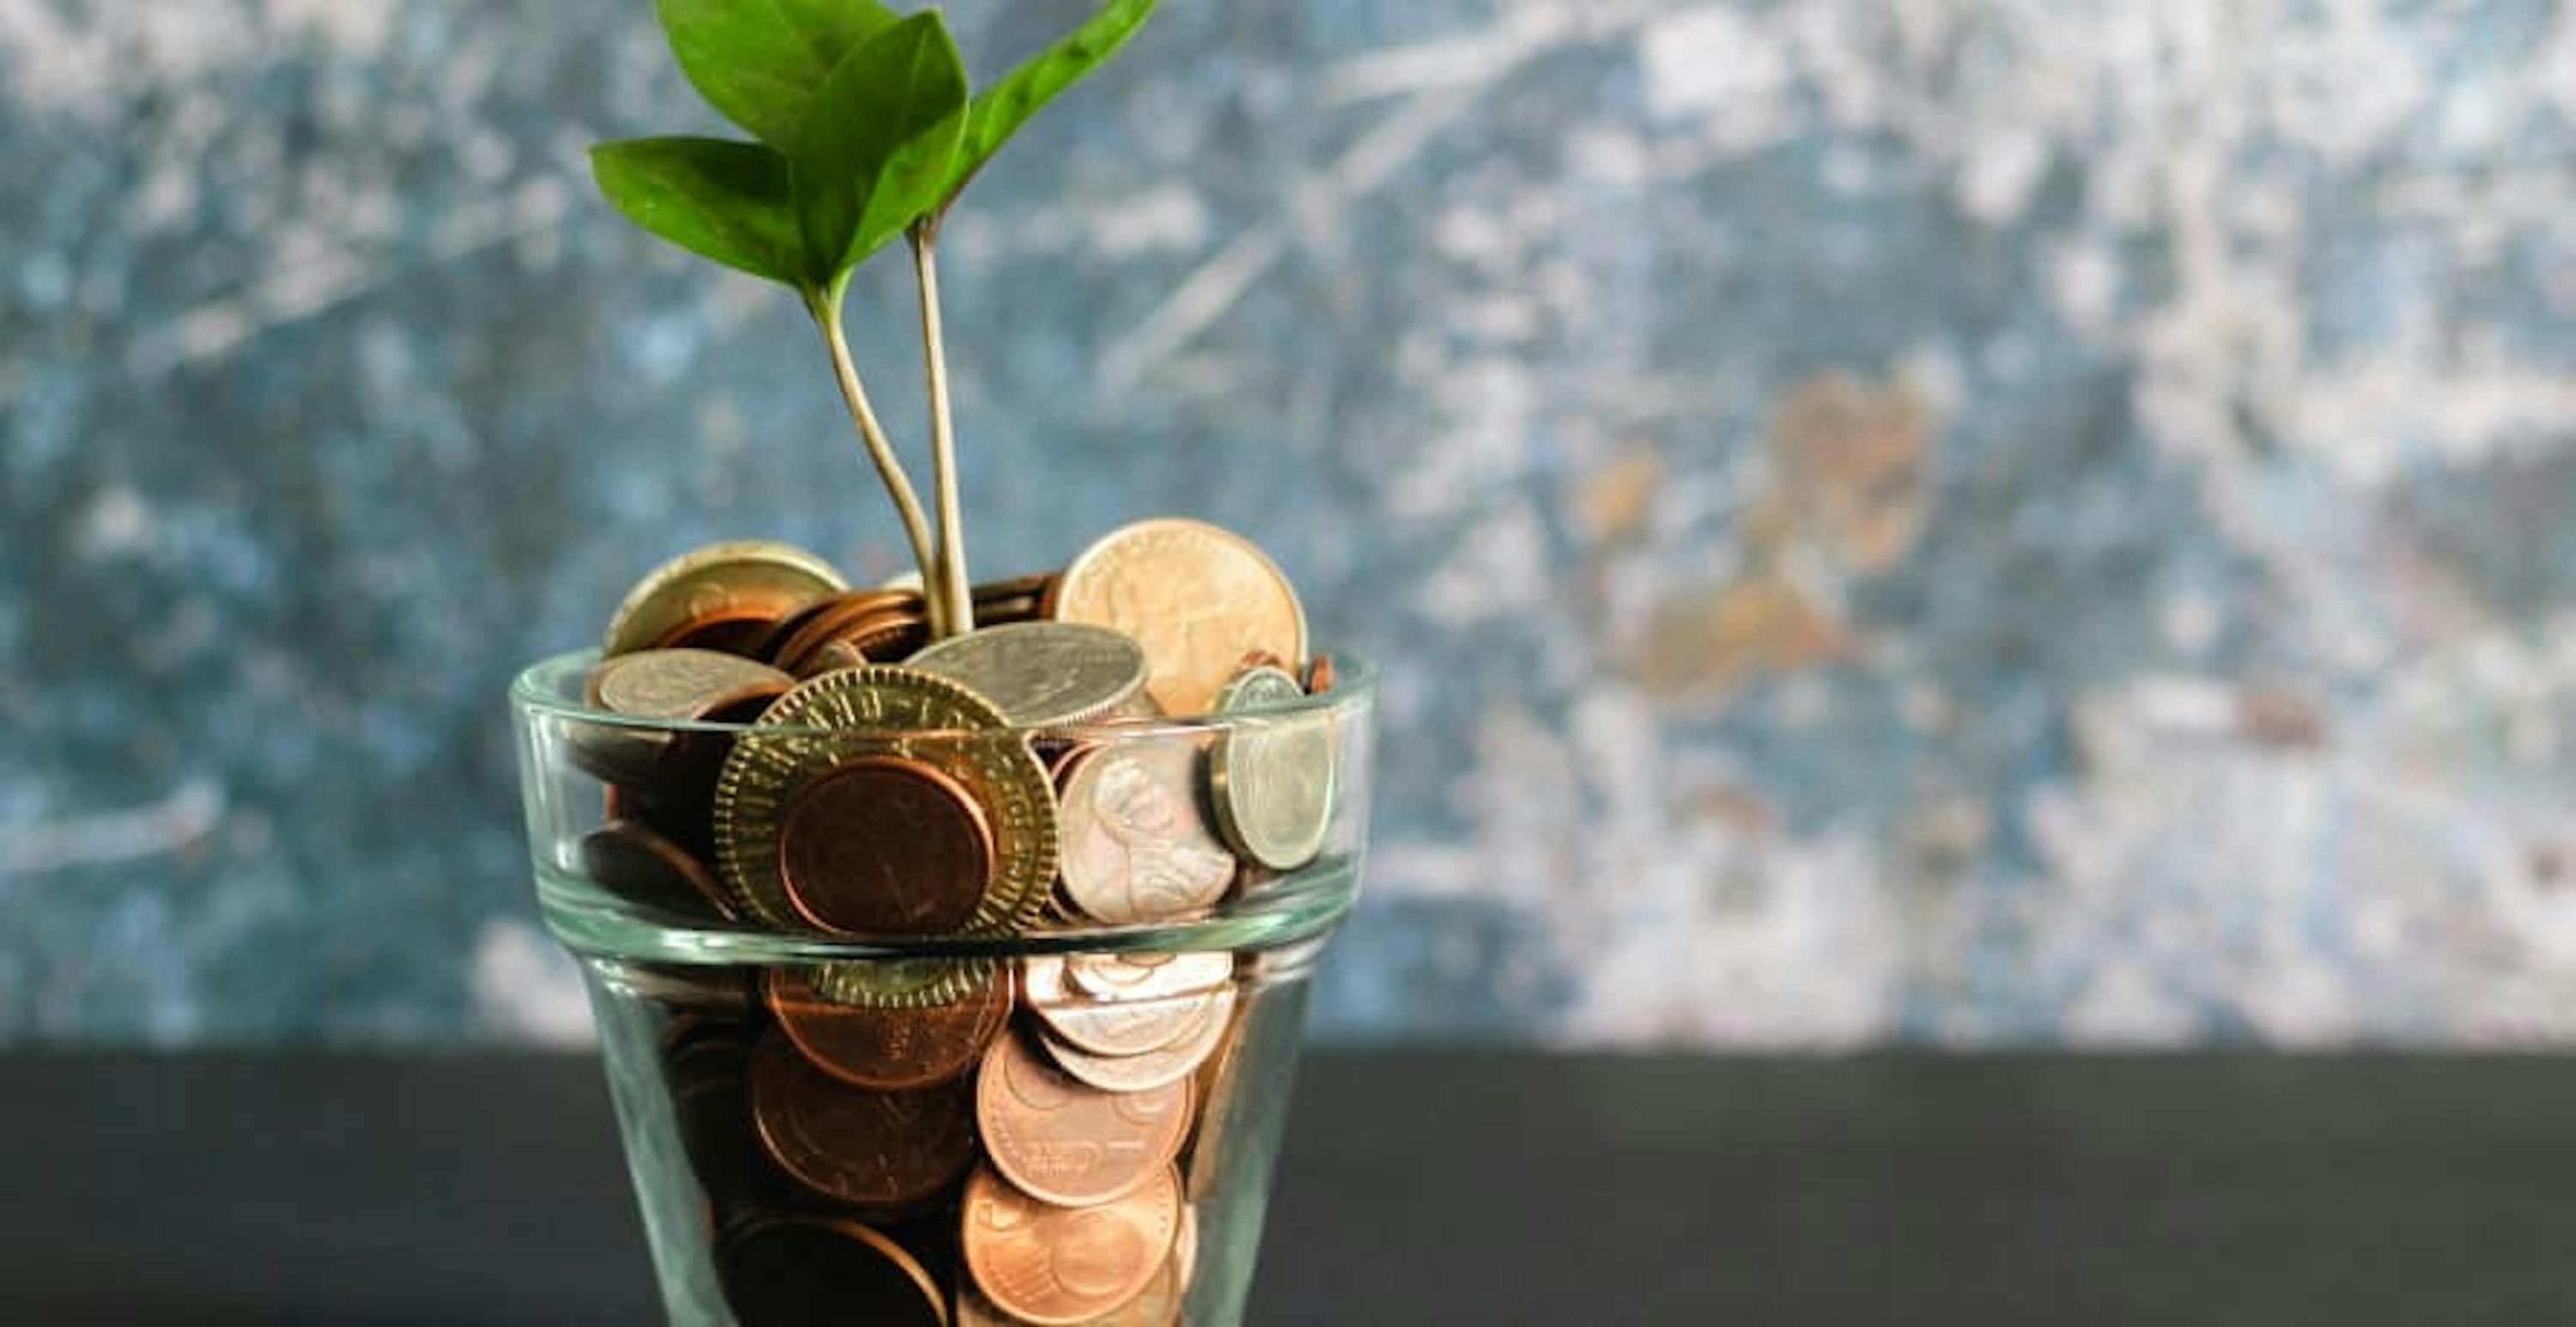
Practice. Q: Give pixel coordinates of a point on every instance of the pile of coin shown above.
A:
(957, 1139)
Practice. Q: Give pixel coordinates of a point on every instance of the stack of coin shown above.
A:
(1021, 1138)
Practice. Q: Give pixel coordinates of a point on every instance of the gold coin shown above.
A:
(1272, 776)
(743, 579)
(1198, 599)
(1135, 847)
(881, 710)
(1059, 1266)
(1042, 674)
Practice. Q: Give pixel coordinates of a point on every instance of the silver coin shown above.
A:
(1042, 674)
(1272, 777)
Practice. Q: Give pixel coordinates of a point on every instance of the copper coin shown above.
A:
(889, 1049)
(1136, 848)
(789, 627)
(1113, 1026)
(885, 845)
(1056, 1266)
(1198, 598)
(736, 632)
(678, 796)
(783, 1271)
(628, 859)
(707, 1069)
(834, 656)
(874, 1149)
(1160, 1067)
(1218, 1093)
(1070, 1143)
(1319, 675)
(746, 578)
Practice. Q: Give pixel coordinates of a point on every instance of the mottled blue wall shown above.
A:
(1964, 522)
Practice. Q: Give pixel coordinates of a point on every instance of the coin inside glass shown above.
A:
(885, 845)
(783, 1271)
(1211, 1013)
(631, 860)
(876, 1149)
(890, 1047)
(1060, 1266)
(739, 579)
(1066, 1141)
(1043, 674)
(1120, 1025)
(1136, 848)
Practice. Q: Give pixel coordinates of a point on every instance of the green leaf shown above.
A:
(1000, 110)
(733, 202)
(759, 61)
(877, 141)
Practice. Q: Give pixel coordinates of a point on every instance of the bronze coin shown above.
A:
(786, 1271)
(787, 628)
(1066, 1141)
(1319, 675)
(885, 845)
(629, 859)
(707, 1070)
(678, 798)
(737, 632)
(1053, 1265)
(875, 1149)
(834, 656)
(857, 617)
(889, 1048)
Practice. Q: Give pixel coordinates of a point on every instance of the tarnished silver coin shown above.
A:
(680, 684)
(1042, 674)
(1155, 1068)
(1126, 1025)
(1136, 848)
(1271, 776)
(748, 579)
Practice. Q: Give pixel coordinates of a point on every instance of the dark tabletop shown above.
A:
(1417, 1189)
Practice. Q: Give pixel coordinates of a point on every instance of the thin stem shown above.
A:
(943, 436)
(826, 309)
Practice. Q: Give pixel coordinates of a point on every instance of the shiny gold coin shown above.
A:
(1198, 599)
(1272, 776)
(1067, 1142)
(1135, 847)
(1058, 1266)
(1042, 674)
(1160, 1067)
(1130, 1025)
(883, 710)
(734, 580)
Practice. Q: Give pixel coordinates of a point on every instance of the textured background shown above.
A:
(1958, 522)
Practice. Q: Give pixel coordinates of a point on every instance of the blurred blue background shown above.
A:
(1970, 523)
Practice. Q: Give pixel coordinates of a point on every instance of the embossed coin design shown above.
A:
(1129, 1025)
(1043, 674)
(898, 711)
(883, 845)
(875, 1149)
(781, 1271)
(1156, 1068)
(1272, 776)
(1067, 1142)
(1198, 599)
(1057, 1266)
(895, 1048)
(750, 578)
(1136, 848)
(1116, 976)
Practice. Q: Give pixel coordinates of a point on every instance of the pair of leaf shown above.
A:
(865, 124)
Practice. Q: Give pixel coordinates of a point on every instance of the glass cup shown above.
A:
(965, 1026)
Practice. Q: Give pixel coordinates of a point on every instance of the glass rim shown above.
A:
(540, 689)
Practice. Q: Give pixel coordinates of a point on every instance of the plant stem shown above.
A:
(943, 437)
(826, 308)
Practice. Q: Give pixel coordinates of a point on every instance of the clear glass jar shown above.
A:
(1034, 1116)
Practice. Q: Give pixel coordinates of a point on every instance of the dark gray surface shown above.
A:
(1418, 1189)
